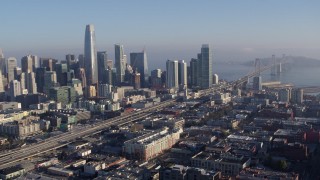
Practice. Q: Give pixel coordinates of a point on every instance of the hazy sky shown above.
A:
(168, 29)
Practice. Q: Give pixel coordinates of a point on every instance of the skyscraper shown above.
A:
(257, 80)
(15, 89)
(90, 55)
(139, 61)
(172, 74)
(194, 71)
(2, 63)
(50, 80)
(182, 74)
(102, 65)
(26, 64)
(120, 63)
(206, 66)
(11, 64)
(31, 83)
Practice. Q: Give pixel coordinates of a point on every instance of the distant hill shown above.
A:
(300, 61)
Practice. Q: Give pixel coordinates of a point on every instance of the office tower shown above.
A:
(26, 64)
(81, 60)
(206, 66)
(104, 90)
(102, 65)
(155, 79)
(11, 64)
(215, 79)
(17, 72)
(63, 94)
(90, 55)
(182, 74)
(284, 95)
(2, 63)
(40, 78)
(31, 83)
(257, 80)
(50, 80)
(22, 79)
(194, 71)
(119, 63)
(136, 80)
(15, 89)
(82, 77)
(110, 63)
(297, 96)
(109, 76)
(128, 75)
(77, 85)
(71, 60)
(91, 91)
(257, 83)
(60, 69)
(48, 63)
(172, 74)
(139, 61)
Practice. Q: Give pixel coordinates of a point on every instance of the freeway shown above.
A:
(59, 141)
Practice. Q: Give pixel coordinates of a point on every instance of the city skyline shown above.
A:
(238, 31)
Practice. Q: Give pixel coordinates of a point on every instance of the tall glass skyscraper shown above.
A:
(206, 61)
(139, 61)
(90, 55)
(120, 63)
(172, 74)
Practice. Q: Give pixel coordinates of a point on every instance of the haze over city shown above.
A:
(237, 30)
(159, 90)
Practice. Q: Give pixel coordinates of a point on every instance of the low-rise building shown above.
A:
(226, 163)
(92, 167)
(60, 171)
(11, 172)
(185, 173)
(150, 145)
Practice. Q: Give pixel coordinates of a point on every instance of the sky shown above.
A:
(166, 29)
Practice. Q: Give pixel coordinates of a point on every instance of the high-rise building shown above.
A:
(257, 80)
(11, 64)
(15, 89)
(102, 65)
(182, 74)
(110, 63)
(81, 61)
(104, 90)
(139, 61)
(26, 64)
(29, 63)
(48, 63)
(109, 76)
(156, 81)
(71, 60)
(136, 80)
(2, 63)
(77, 85)
(120, 63)
(82, 77)
(22, 78)
(31, 84)
(60, 69)
(90, 55)
(215, 79)
(172, 74)
(206, 66)
(194, 71)
(284, 95)
(50, 80)
(63, 94)
(40, 78)
(297, 96)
